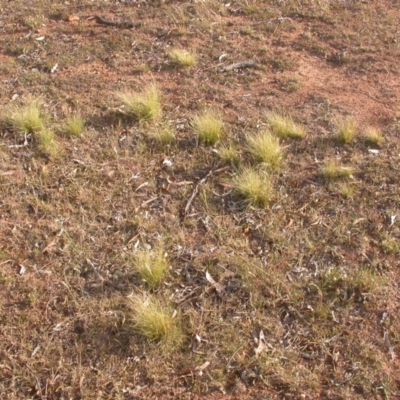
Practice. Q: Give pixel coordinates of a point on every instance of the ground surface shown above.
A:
(306, 298)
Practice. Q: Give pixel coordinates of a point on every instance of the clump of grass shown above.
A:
(265, 148)
(182, 58)
(74, 125)
(331, 170)
(26, 118)
(144, 106)
(229, 153)
(155, 320)
(164, 134)
(373, 136)
(283, 126)
(151, 265)
(255, 186)
(346, 130)
(209, 127)
(46, 142)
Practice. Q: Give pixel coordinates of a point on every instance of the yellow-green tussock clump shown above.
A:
(74, 125)
(182, 58)
(46, 142)
(209, 127)
(373, 136)
(154, 319)
(27, 118)
(144, 106)
(331, 170)
(265, 148)
(255, 186)
(151, 265)
(283, 125)
(346, 130)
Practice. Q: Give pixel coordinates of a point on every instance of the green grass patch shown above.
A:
(331, 171)
(74, 126)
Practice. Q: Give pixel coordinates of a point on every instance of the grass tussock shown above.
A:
(164, 134)
(155, 320)
(209, 127)
(346, 130)
(283, 125)
(151, 265)
(27, 118)
(265, 148)
(46, 142)
(182, 58)
(143, 106)
(229, 153)
(331, 171)
(373, 136)
(74, 126)
(255, 186)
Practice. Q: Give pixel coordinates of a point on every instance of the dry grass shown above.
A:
(155, 320)
(182, 58)
(151, 265)
(280, 282)
(373, 136)
(266, 149)
(255, 186)
(208, 127)
(283, 126)
(26, 118)
(74, 126)
(332, 170)
(346, 130)
(143, 106)
(46, 142)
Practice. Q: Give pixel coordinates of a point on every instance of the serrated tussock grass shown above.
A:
(74, 125)
(254, 186)
(154, 319)
(208, 127)
(26, 118)
(182, 58)
(283, 125)
(346, 130)
(151, 265)
(265, 148)
(332, 170)
(143, 106)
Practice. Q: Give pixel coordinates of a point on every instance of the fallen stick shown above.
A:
(197, 187)
(244, 64)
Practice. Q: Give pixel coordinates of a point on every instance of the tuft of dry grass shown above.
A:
(46, 142)
(151, 265)
(265, 148)
(373, 136)
(143, 106)
(331, 171)
(154, 319)
(182, 58)
(283, 125)
(27, 118)
(229, 153)
(74, 125)
(346, 130)
(255, 186)
(209, 127)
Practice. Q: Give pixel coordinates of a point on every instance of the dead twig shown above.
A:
(197, 187)
(244, 64)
